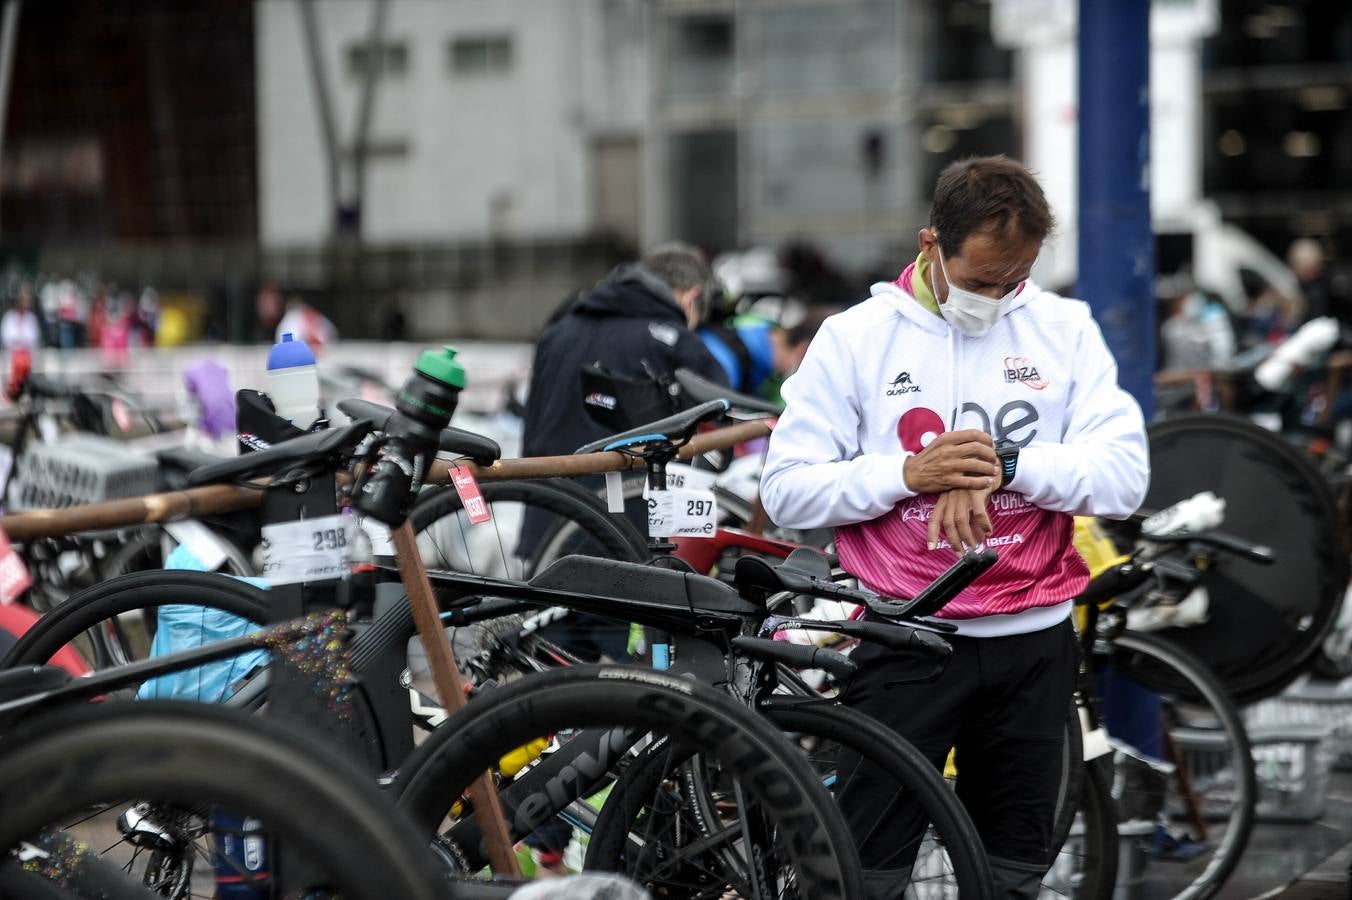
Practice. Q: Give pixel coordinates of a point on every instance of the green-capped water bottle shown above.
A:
(423, 408)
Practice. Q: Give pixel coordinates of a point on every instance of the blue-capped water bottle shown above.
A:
(293, 381)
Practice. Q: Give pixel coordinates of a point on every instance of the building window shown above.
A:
(393, 59)
(701, 59)
(481, 54)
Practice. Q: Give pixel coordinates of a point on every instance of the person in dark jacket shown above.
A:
(636, 322)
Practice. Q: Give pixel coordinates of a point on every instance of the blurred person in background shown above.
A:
(147, 317)
(393, 325)
(1271, 315)
(1307, 261)
(1197, 334)
(19, 329)
(305, 323)
(637, 321)
(98, 316)
(641, 313)
(71, 313)
(268, 309)
(757, 354)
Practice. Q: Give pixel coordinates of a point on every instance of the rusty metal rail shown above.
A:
(217, 499)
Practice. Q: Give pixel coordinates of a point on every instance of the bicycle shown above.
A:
(322, 447)
(1195, 797)
(564, 572)
(157, 780)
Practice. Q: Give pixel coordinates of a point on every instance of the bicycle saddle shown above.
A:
(701, 390)
(484, 451)
(186, 459)
(314, 446)
(177, 463)
(801, 571)
(680, 427)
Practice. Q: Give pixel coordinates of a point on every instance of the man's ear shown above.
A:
(926, 240)
(698, 304)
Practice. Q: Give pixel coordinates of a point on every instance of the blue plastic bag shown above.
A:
(185, 627)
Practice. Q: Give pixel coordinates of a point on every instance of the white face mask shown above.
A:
(968, 311)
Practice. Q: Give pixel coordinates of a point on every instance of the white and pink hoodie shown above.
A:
(883, 378)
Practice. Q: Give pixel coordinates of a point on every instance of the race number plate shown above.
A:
(308, 550)
(682, 513)
(681, 476)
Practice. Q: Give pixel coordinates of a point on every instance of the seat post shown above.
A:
(661, 548)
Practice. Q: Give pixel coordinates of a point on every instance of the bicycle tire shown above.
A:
(1161, 664)
(141, 591)
(1072, 773)
(1094, 843)
(1265, 622)
(68, 760)
(948, 820)
(563, 499)
(122, 561)
(776, 775)
(128, 593)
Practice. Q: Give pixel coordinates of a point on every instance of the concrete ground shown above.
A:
(1290, 861)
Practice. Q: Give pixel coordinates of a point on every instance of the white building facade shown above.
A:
(489, 118)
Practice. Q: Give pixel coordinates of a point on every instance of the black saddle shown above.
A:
(701, 390)
(484, 451)
(177, 463)
(311, 447)
(677, 428)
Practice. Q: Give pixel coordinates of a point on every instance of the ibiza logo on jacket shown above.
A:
(1020, 370)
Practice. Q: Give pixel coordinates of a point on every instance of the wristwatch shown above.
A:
(1008, 454)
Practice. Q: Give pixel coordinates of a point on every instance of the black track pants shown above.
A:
(1002, 703)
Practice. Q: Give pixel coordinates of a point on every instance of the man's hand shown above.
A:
(962, 516)
(954, 460)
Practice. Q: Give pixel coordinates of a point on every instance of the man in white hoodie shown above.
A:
(963, 405)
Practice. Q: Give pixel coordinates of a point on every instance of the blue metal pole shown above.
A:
(1116, 248)
(1117, 251)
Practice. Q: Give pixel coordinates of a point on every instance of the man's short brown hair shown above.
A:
(988, 195)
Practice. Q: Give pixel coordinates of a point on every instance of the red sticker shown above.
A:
(14, 577)
(468, 489)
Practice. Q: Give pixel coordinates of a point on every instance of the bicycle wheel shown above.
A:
(105, 608)
(1072, 773)
(534, 524)
(559, 517)
(130, 596)
(144, 551)
(947, 859)
(1085, 865)
(150, 782)
(1264, 622)
(1203, 811)
(806, 850)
